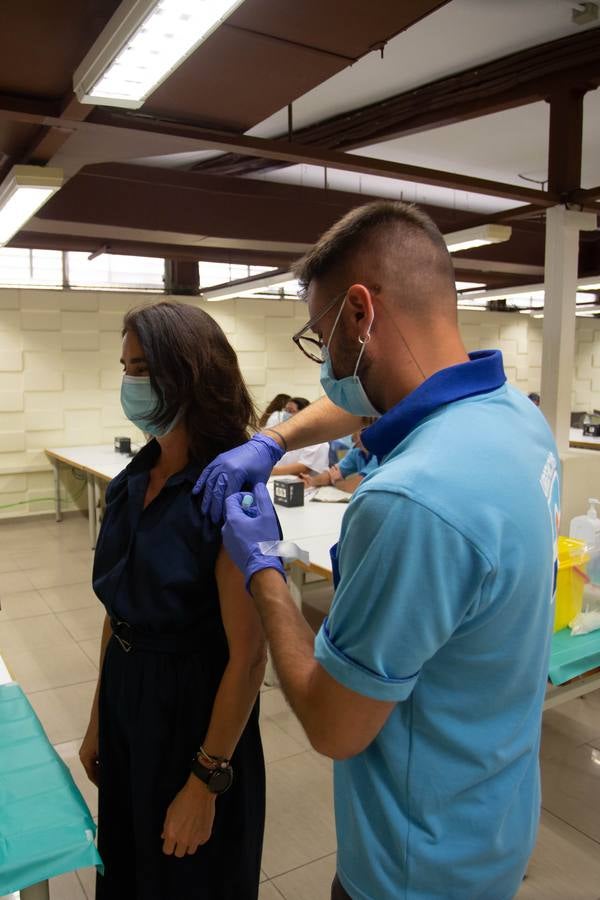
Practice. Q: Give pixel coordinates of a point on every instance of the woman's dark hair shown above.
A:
(193, 367)
(301, 402)
(276, 405)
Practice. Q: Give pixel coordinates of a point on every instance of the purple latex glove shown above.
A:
(245, 527)
(248, 464)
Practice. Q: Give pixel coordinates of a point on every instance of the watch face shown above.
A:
(220, 780)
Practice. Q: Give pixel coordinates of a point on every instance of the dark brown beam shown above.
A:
(290, 153)
(58, 241)
(588, 194)
(565, 141)
(149, 198)
(297, 153)
(524, 77)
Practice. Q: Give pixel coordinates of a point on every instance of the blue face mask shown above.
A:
(140, 404)
(348, 393)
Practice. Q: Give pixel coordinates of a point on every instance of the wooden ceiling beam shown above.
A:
(57, 241)
(288, 152)
(565, 141)
(293, 153)
(524, 77)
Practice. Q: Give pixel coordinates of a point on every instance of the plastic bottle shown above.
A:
(587, 529)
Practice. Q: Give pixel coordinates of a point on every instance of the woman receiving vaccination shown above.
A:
(173, 740)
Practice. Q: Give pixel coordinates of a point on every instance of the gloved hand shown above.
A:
(250, 463)
(245, 527)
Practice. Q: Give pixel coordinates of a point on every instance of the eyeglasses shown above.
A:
(313, 347)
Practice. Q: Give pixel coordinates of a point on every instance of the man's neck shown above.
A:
(430, 363)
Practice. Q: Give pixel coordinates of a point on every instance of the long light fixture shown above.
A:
(24, 190)
(477, 237)
(144, 41)
(278, 286)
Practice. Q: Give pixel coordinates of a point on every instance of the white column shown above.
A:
(560, 285)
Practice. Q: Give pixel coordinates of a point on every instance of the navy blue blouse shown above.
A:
(155, 568)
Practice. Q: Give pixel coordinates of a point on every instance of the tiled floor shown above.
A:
(49, 637)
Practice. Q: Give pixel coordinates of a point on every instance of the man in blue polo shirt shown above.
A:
(426, 682)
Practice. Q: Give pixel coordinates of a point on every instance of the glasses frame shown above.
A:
(318, 342)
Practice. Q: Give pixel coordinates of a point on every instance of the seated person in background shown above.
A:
(274, 413)
(306, 460)
(350, 471)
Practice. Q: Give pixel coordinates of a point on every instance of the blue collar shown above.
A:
(484, 373)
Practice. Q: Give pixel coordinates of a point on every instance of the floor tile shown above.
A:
(565, 865)
(300, 827)
(83, 624)
(311, 882)
(70, 596)
(87, 878)
(276, 743)
(570, 724)
(69, 752)
(23, 605)
(268, 891)
(66, 887)
(59, 574)
(43, 668)
(65, 712)
(14, 582)
(91, 649)
(34, 631)
(274, 706)
(8, 562)
(571, 789)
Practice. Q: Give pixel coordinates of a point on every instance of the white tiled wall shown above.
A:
(60, 377)
(60, 373)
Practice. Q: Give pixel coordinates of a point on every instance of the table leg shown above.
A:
(38, 891)
(91, 510)
(56, 473)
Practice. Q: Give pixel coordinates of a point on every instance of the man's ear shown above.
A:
(358, 300)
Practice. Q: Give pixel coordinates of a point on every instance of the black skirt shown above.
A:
(154, 712)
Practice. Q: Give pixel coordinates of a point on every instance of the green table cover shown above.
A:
(46, 828)
(573, 656)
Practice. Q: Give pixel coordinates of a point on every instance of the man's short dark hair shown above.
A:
(354, 230)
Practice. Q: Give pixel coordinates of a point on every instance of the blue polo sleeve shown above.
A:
(350, 464)
(408, 579)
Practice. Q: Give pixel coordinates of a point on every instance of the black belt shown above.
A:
(132, 638)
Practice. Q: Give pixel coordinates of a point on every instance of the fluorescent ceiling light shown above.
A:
(24, 190)
(527, 295)
(476, 306)
(477, 237)
(468, 285)
(144, 41)
(589, 284)
(280, 286)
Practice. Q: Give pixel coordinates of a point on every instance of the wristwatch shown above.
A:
(218, 778)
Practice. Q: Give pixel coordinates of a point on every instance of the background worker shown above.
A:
(426, 682)
(348, 473)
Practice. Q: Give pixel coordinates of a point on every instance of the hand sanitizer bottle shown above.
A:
(587, 529)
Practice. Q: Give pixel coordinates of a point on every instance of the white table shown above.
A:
(99, 463)
(583, 441)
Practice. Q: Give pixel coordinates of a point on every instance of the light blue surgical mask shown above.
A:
(348, 393)
(140, 404)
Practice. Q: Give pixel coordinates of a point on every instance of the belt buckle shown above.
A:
(125, 644)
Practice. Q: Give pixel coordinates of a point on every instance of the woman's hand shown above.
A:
(189, 819)
(88, 752)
